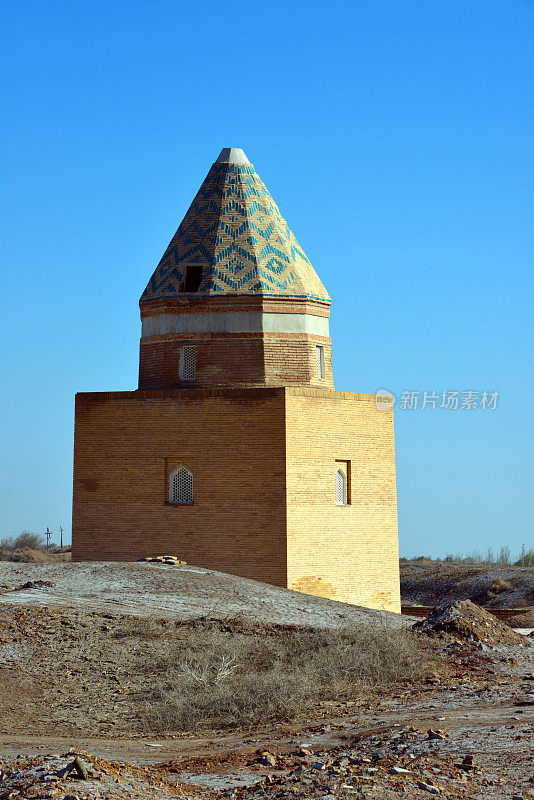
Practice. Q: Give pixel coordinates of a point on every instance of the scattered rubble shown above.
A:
(33, 585)
(466, 621)
(78, 775)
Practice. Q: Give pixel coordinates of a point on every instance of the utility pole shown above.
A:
(60, 536)
(523, 555)
(48, 535)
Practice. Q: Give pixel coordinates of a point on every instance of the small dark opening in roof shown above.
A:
(193, 279)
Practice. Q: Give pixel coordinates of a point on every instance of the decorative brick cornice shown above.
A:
(186, 394)
(210, 305)
(200, 337)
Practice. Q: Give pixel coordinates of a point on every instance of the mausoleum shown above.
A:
(236, 453)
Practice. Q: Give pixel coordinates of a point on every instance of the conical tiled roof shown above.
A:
(235, 232)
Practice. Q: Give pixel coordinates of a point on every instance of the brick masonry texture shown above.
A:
(348, 552)
(229, 303)
(240, 359)
(127, 444)
(263, 462)
(235, 360)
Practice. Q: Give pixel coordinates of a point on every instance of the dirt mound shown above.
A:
(465, 620)
(33, 585)
(523, 620)
(185, 593)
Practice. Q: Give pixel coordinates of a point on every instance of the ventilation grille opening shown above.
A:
(181, 486)
(188, 364)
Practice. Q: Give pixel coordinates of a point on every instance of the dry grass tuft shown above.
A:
(219, 674)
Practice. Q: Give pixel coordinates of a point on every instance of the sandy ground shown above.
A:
(464, 730)
(145, 589)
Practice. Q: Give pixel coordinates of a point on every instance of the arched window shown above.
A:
(181, 486)
(341, 488)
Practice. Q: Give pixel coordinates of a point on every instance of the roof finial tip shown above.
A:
(232, 155)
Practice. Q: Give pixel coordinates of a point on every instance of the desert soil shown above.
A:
(144, 589)
(464, 730)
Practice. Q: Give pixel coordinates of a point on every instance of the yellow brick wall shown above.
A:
(348, 553)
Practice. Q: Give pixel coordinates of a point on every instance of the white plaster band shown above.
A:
(235, 322)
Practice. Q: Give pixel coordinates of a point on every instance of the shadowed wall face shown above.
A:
(128, 443)
(240, 359)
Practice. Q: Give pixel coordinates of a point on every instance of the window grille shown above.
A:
(341, 488)
(319, 351)
(181, 486)
(188, 364)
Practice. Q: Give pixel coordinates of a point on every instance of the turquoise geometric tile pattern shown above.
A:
(234, 231)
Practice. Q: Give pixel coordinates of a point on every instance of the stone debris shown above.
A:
(267, 758)
(427, 787)
(33, 585)
(467, 764)
(174, 560)
(439, 734)
(71, 777)
(468, 622)
(392, 762)
(80, 768)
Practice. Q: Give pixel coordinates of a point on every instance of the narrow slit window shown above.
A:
(181, 487)
(319, 352)
(188, 364)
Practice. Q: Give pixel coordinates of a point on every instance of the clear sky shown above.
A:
(397, 140)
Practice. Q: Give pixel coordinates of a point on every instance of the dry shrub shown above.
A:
(28, 541)
(10, 552)
(499, 585)
(213, 676)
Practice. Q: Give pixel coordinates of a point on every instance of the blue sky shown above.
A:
(396, 138)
